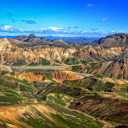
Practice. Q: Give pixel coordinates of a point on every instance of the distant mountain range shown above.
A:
(114, 40)
(78, 40)
(75, 41)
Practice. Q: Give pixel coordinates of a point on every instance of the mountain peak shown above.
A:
(114, 40)
(31, 36)
(60, 41)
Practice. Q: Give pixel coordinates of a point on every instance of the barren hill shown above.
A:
(115, 40)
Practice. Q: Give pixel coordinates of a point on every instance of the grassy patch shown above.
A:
(119, 76)
(91, 84)
(100, 76)
(111, 75)
(67, 118)
(71, 61)
(83, 61)
(57, 61)
(19, 63)
(10, 92)
(21, 81)
(10, 99)
(44, 62)
(24, 86)
(38, 122)
(60, 99)
(123, 95)
(75, 68)
(3, 72)
(48, 75)
(124, 85)
(34, 64)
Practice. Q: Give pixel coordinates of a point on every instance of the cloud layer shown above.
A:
(55, 31)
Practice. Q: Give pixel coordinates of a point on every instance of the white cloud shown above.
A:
(7, 27)
(105, 19)
(89, 5)
(52, 28)
(55, 28)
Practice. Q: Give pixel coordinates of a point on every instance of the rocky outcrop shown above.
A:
(29, 76)
(54, 54)
(97, 53)
(60, 76)
(116, 69)
(30, 39)
(115, 40)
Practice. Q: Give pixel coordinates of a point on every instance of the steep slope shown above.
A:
(29, 76)
(97, 53)
(91, 83)
(115, 40)
(42, 115)
(113, 110)
(39, 76)
(60, 76)
(21, 37)
(18, 53)
(116, 69)
(60, 42)
(8, 43)
(93, 103)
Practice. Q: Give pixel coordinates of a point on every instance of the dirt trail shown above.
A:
(42, 68)
(104, 67)
(81, 75)
(113, 95)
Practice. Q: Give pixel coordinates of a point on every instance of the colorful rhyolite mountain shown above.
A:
(97, 59)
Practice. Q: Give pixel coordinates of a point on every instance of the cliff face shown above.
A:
(60, 76)
(29, 76)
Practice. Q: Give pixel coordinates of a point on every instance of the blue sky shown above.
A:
(63, 17)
